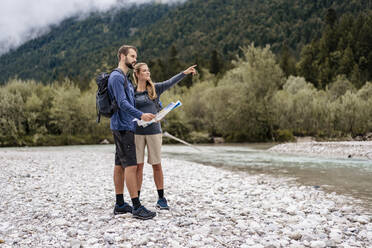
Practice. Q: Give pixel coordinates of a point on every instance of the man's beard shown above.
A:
(129, 65)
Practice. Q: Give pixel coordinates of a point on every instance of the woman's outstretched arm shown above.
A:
(163, 86)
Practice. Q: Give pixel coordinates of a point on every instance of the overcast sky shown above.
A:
(22, 20)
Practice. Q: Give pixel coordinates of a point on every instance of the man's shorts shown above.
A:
(153, 143)
(125, 154)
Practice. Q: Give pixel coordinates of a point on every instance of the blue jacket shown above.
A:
(123, 118)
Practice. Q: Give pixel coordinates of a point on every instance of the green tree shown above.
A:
(248, 89)
(339, 87)
(287, 62)
(346, 62)
(66, 111)
(215, 63)
(12, 119)
(331, 17)
(307, 66)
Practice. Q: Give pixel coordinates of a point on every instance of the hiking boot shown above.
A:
(143, 214)
(125, 208)
(162, 204)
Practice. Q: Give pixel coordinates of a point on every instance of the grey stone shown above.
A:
(296, 236)
(317, 244)
(76, 243)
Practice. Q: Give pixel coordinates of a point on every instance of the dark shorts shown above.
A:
(125, 154)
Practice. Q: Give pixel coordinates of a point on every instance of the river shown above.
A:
(351, 177)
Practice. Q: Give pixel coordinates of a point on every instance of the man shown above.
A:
(123, 128)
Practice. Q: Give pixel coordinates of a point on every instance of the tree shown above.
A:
(174, 64)
(12, 130)
(245, 92)
(287, 61)
(331, 17)
(347, 62)
(307, 66)
(339, 87)
(215, 63)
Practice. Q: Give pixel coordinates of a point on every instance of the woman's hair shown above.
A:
(150, 87)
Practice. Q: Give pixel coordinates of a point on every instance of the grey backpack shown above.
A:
(104, 105)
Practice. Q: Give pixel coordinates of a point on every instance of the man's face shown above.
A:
(131, 59)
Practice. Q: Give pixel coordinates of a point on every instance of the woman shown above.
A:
(147, 98)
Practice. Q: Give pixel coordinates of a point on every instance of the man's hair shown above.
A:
(124, 49)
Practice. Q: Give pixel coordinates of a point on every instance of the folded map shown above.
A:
(159, 116)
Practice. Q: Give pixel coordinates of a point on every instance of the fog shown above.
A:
(22, 20)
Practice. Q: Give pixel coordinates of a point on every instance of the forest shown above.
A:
(254, 101)
(318, 84)
(209, 33)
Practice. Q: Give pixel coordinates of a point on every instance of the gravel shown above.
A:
(65, 199)
(347, 149)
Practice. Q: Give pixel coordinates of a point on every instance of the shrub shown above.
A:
(199, 137)
(283, 135)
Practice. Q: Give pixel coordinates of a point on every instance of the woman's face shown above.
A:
(144, 73)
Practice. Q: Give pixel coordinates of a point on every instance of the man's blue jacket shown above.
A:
(123, 118)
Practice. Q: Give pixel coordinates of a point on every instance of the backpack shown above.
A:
(104, 105)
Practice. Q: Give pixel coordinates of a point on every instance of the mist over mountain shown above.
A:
(191, 31)
(22, 20)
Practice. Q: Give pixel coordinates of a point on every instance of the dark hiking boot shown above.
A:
(125, 208)
(143, 214)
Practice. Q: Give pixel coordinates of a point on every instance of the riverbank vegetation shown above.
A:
(254, 101)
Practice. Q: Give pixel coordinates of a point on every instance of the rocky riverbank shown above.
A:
(345, 149)
(64, 198)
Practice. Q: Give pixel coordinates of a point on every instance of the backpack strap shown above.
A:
(125, 81)
(125, 77)
(98, 113)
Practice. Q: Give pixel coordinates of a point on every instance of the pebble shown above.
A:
(358, 149)
(68, 198)
(336, 236)
(109, 238)
(362, 219)
(75, 244)
(317, 244)
(296, 236)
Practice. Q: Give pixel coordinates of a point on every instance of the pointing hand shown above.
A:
(191, 69)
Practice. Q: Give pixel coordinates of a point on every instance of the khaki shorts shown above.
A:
(153, 143)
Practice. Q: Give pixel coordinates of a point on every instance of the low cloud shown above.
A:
(22, 20)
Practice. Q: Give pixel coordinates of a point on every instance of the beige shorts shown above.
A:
(153, 143)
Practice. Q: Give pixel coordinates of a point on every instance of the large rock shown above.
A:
(104, 142)
(218, 140)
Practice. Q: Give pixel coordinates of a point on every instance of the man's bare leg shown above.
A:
(119, 176)
(139, 176)
(121, 207)
(131, 180)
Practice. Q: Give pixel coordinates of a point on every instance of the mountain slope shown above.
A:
(77, 49)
